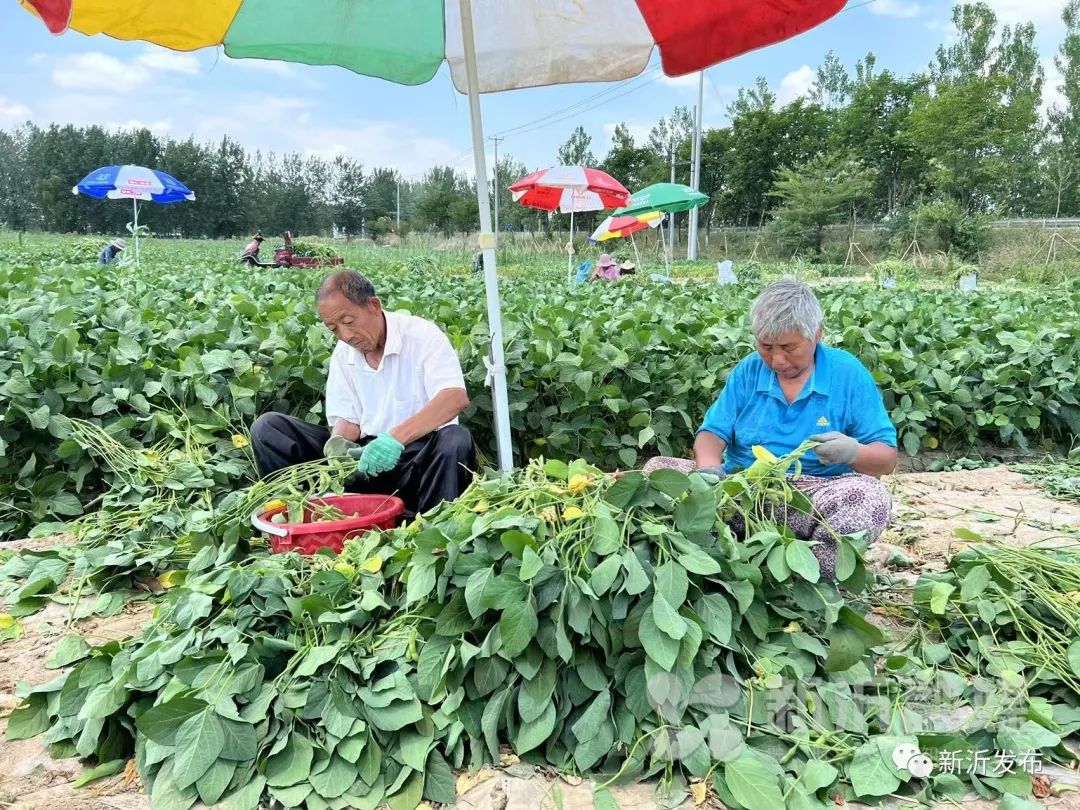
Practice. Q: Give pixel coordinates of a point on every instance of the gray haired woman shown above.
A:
(796, 388)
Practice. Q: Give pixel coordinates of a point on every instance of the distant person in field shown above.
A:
(393, 398)
(794, 389)
(110, 252)
(606, 269)
(250, 256)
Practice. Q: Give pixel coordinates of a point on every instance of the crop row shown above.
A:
(610, 374)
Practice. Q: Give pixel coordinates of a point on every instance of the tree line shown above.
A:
(966, 137)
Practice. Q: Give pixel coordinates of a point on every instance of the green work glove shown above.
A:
(835, 448)
(337, 447)
(379, 455)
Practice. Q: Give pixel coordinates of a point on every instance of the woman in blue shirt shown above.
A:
(793, 389)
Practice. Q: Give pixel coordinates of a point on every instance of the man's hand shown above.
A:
(835, 448)
(337, 447)
(379, 455)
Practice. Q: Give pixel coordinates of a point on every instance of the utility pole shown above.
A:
(398, 186)
(695, 171)
(496, 140)
(673, 230)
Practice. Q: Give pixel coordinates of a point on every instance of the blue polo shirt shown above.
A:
(840, 395)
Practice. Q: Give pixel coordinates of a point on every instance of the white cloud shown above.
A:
(797, 84)
(639, 132)
(1040, 12)
(170, 61)
(275, 68)
(38, 59)
(159, 128)
(12, 113)
(99, 71)
(382, 143)
(895, 8)
(687, 82)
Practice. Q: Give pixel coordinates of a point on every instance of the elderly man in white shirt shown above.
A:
(393, 397)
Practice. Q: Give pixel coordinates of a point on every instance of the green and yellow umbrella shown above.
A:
(490, 45)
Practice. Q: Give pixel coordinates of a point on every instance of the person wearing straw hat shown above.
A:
(605, 270)
(111, 251)
(627, 268)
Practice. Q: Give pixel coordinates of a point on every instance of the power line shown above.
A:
(574, 108)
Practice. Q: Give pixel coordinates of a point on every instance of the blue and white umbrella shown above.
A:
(133, 183)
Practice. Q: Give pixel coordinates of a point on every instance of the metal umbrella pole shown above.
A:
(135, 229)
(497, 361)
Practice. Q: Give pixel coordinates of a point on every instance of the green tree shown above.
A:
(821, 192)
(625, 160)
(347, 196)
(833, 85)
(577, 151)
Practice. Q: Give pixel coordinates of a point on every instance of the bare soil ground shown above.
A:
(928, 507)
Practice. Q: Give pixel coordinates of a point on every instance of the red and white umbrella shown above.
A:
(570, 189)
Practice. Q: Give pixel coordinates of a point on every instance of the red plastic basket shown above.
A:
(376, 512)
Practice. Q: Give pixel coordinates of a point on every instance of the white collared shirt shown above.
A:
(418, 362)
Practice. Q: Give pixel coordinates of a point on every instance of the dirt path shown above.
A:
(928, 508)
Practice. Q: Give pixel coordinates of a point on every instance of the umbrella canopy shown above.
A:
(133, 183)
(615, 227)
(570, 189)
(519, 43)
(669, 197)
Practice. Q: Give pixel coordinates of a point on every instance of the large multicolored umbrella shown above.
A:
(519, 43)
(569, 190)
(133, 183)
(491, 45)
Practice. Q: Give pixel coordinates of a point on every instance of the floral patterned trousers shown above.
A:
(843, 504)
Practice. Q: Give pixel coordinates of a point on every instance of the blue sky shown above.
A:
(326, 110)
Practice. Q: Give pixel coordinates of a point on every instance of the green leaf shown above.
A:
(439, 784)
(777, 563)
(802, 561)
(99, 772)
(413, 749)
(636, 580)
(700, 563)
(410, 794)
(672, 583)
(199, 741)
(213, 784)
(667, 620)
(317, 657)
(715, 612)
(292, 764)
(492, 720)
(30, 719)
(335, 778)
(474, 590)
(974, 583)
(530, 564)
(1010, 802)
(533, 733)
(869, 774)
(104, 700)
(429, 665)
(1074, 657)
(659, 646)
(244, 798)
(939, 597)
(70, 649)
(697, 513)
(191, 607)
(396, 716)
(241, 743)
(454, 619)
(516, 542)
(606, 538)
(517, 627)
(846, 560)
(161, 722)
(588, 725)
(604, 575)
(817, 775)
(421, 581)
(753, 784)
